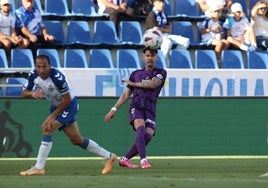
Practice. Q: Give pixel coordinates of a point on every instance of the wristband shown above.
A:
(114, 109)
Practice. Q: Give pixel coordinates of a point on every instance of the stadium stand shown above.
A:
(14, 86)
(84, 10)
(56, 29)
(75, 58)
(168, 9)
(133, 40)
(105, 33)
(185, 29)
(180, 59)
(128, 58)
(232, 59)
(52, 54)
(79, 34)
(186, 15)
(3, 59)
(257, 60)
(205, 59)
(187, 10)
(100, 58)
(22, 58)
(13, 6)
(58, 10)
(161, 60)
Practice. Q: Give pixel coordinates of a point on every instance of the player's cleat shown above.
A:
(264, 175)
(33, 171)
(127, 163)
(109, 164)
(145, 164)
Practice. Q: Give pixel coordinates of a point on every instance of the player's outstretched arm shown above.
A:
(122, 99)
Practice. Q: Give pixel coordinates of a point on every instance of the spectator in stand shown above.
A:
(30, 24)
(212, 31)
(117, 11)
(239, 32)
(259, 21)
(158, 19)
(142, 7)
(8, 36)
(224, 6)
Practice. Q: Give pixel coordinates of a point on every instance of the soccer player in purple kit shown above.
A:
(144, 85)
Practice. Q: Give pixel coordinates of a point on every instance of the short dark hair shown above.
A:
(43, 56)
(152, 50)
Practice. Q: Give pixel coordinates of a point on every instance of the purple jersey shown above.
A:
(146, 99)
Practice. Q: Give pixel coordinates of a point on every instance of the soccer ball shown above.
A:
(152, 38)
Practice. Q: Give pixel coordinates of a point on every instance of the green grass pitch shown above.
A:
(169, 172)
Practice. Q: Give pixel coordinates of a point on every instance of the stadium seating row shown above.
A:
(129, 58)
(86, 9)
(79, 35)
(101, 58)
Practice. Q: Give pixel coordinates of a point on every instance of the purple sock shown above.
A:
(134, 151)
(147, 138)
(140, 141)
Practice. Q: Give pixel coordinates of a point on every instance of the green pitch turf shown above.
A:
(183, 172)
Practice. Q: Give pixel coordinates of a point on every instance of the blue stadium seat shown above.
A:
(185, 29)
(131, 33)
(55, 28)
(257, 60)
(168, 9)
(130, 2)
(13, 6)
(105, 33)
(128, 58)
(3, 59)
(14, 86)
(58, 10)
(187, 10)
(100, 58)
(79, 34)
(232, 59)
(205, 59)
(161, 60)
(75, 58)
(22, 58)
(84, 9)
(180, 59)
(52, 54)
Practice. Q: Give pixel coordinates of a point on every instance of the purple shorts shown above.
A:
(147, 116)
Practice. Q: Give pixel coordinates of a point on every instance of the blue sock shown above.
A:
(85, 143)
(47, 138)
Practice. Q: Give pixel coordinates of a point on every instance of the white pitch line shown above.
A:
(189, 179)
(149, 157)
